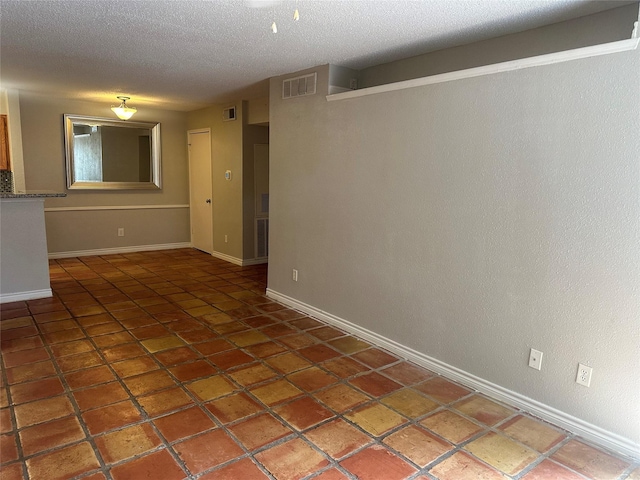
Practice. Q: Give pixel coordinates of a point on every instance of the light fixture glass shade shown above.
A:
(123, 111)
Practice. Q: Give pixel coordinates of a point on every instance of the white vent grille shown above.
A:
(262, 237)
(229, 114)
(299, 86)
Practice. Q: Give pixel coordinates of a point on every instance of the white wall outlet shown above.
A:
(584, 375)
(121, 232)
(294, 276)
(226, 239)
(535, 359)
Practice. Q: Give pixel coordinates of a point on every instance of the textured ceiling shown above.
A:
(184, 55)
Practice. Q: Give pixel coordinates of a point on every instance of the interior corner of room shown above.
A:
(458, 222)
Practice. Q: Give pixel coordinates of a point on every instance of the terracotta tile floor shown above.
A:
(173, 364)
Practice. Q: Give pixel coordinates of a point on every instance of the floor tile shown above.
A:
(297, 341)
(344, 367)
(134, 366)
(288, 363)
(303, 413)
(89, 377)
(50, 435)
(338, 438)
(375, 384)
(259, 431)
(30, 391)
(407, 373)
(155, 465)
(318, 353)
(375, 358)
(64, 463)
(533, 433)
(154, 345)
(483, 409)
(8, 449)
(230, 359)
(71, 363)
(233, 407)
(165, 401)
(451, 426)
(347, 345)
(589, 461)
(184, 423)
(342, 397)
(211, 388)
(331, 474)
(190, 371)
(5, 420)
(127, 442)
(327, 333)
(442, 390)
(292, 460)
(100, 395)
(375, 419)
(110, 417)
(253, 374)
(123, 352)
(461, 466)
(23, 357)
(311, 379)
(42, 411)
(176, 356)
(418, 445)
(207, 450)
(71, 348)
(502, 453)
(242, 469)
(149, 382)
(276, 392)
(410, 403)
(548, 470)
(12, 472)
(368, 463)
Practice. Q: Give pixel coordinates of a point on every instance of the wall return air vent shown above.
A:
(299, 86)
(229, 114)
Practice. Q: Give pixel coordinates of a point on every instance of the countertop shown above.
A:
(32, 194)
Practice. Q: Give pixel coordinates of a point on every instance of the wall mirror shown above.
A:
(108, 154)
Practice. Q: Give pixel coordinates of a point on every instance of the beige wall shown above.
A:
(233, 201)
(70, 231)
(226, 154)
(474, 219)
(608, 26)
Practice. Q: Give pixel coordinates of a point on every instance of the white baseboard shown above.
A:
(575, 425)
(239, 261)
(117, 250)
(22, 296)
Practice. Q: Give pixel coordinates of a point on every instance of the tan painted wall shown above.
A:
(226, 154)
(44, 164)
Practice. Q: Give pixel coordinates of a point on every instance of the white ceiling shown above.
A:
(184, 55)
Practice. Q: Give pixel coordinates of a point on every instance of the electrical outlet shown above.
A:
(294, 276)
(584, 375)
(226, 239)
(121, 232)
(535, 359)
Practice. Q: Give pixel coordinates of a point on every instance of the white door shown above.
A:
(200, 198)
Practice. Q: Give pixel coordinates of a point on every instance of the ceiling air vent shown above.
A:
(299, 86)
(229, 114)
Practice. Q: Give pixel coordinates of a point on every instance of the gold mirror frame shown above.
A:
(155, 170)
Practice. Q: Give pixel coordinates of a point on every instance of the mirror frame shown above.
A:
(155, 182)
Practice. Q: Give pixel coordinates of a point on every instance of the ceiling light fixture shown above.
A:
(123, 111)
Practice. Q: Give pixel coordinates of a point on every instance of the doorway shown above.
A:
(200, 190)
